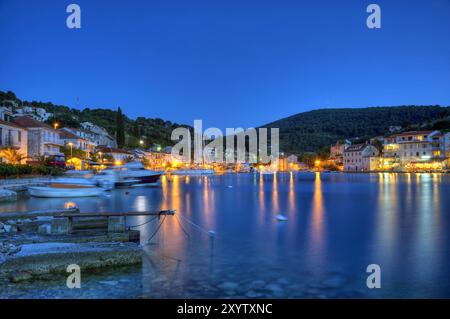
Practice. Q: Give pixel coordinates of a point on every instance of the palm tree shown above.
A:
(12, 156)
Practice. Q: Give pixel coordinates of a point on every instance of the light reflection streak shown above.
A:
(317, 219)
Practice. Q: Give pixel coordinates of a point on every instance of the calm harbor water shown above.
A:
(337, 225)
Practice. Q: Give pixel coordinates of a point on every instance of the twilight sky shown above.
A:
(231, 63)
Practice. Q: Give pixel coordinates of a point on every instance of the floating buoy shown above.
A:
(211, 233)
(281, 218)
(230, 186)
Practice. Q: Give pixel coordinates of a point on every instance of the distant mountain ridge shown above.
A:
(313, 130)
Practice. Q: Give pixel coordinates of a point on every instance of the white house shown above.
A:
(72, 140)
(5, 113)
(43, 140)
(420, 146)
(102, 137)
(361, 157)
(36, 113)
(13, 136)
(85, 140)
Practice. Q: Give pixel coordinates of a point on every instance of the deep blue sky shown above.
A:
(230, 63)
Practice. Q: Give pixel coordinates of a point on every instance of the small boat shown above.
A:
(64, 190)
(86, 178)
(133, 174)
(281, 218)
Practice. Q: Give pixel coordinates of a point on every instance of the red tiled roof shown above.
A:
(11, 124)
(29, 122)
(355, 148)
(68, 135)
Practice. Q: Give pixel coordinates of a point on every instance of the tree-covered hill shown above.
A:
(151, 130)
(313, 130)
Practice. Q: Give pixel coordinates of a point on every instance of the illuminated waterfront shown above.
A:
(337, 225)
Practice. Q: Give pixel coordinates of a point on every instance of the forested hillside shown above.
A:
(311, 131)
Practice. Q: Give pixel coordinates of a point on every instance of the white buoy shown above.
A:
(281, 218)
(230, 186)
(211, 233)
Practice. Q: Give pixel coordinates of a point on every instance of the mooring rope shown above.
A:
(156, 231)
(209, 232)
(145, 223)
(182, 227)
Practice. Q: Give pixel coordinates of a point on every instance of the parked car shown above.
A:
(56, 160)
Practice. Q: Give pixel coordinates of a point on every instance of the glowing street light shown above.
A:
(55, 125)
(71, 147)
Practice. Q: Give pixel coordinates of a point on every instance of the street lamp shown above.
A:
(141, 142)
(55, 125)
(71, 146)
(100, 154)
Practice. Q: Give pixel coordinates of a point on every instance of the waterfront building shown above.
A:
(391, 154)
(84, 139)
(361, 158)
(101, 136)
(414, 151)
(421, 149)
(70, 139)
(13, 136)
(157, 160)
(337, 152)
(43, 140)
(118, 156)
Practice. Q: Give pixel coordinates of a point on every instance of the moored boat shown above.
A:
(134, 174)
(64, 190)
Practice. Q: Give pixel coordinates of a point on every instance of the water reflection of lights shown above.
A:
(317, 220)
(141, 203)
(387, 217)
(69, 205)
(275, 203)
(261, 192)
(291, 194)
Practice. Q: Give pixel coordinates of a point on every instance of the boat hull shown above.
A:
(146, 180)
(59, 192)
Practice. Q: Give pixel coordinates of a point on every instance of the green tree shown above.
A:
(120, 129)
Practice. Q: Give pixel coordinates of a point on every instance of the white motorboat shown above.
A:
(64, 190)
(86, 178)
(133, 174)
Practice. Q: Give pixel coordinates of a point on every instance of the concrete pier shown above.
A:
(61, 225)
(116, 224)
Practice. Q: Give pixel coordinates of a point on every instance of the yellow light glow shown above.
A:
(117, 163)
